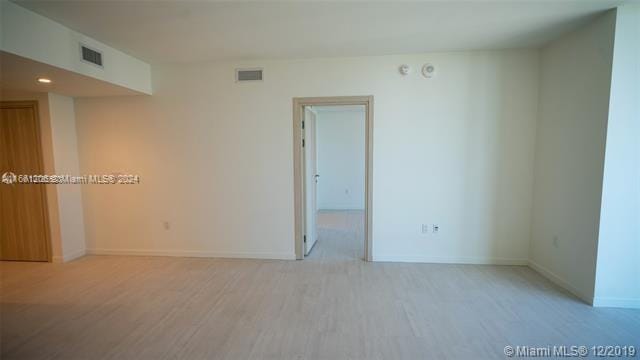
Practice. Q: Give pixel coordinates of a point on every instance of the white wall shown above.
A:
(574, 103)
(618, 261)
(30, 35)
(216, 157)
(65, 155)
(341, 159)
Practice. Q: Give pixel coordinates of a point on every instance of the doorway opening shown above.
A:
(333, 142)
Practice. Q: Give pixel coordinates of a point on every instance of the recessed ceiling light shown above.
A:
(44, 80)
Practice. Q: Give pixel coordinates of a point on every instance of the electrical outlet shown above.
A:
(166, 225)
(425, 228)
(436, 228)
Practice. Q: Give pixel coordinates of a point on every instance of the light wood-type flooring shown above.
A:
(330, 306)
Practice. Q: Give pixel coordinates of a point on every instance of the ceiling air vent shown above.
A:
(91, 56)
(248, 75)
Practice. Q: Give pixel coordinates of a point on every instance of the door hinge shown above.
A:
(302, 142)
(302, 124)
(305, 239)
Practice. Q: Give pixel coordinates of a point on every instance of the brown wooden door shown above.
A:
(24, 226)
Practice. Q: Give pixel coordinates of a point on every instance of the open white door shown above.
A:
(311, 179)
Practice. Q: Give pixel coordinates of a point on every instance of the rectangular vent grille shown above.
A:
(92, 56)
(249, 75)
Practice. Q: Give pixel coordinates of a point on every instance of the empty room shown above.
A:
(319, 180)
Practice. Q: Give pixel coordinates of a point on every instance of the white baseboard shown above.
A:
(629, 303)
(192, 253)
(449, 260)
(560, 282)
(69, 257)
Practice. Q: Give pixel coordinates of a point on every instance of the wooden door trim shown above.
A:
(33, 104)
(298, 166)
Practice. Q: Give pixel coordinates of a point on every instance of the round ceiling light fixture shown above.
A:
(43, 80)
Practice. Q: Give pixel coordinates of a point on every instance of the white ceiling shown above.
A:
(21, 74)
(187, 31)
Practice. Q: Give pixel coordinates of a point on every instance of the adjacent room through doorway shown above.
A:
(335, 173)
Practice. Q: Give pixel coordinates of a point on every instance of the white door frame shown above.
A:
(298, 166)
